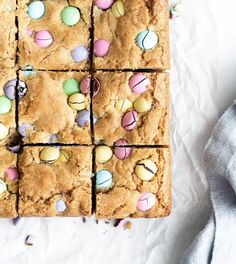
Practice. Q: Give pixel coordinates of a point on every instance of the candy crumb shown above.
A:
(175, 10)
(29, 240)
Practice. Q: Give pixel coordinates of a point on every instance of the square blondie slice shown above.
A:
(8, 183)
(55, 34)
(53, 109)
(132, 106)
(8, 34)
(135, 182)
(132, 34)
(55, 181)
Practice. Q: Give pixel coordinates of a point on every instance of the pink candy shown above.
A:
(43, 38)
(129, 120)
(138, 83)
(12, 173)
(146, 201)
(120, 151)
(104, 4)
(101, 47)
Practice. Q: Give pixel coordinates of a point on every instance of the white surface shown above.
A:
(195, 108)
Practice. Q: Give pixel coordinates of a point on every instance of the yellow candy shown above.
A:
(118, 8)
(146, 169)
(4, 131)
(49, 154)
(141, 105)
(123, 105)
(77, 101)
(103, 154)
(64, 156)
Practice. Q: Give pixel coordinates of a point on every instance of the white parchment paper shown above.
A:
(157, 241)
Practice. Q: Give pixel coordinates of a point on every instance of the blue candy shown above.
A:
(103, 180)
(147, 39)
(36, 9)
(83, 117)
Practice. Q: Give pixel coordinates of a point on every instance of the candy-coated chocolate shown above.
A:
(29, 241)
(60, 206)
(123, 105)
(101, 47)
(43, 38)
(83, 118)
(36, 9)
(23, 128)
(138, 83)
(3, 187)
(5, 105)
(104, 4)
(79, 54)
(146, 201)
(147, 39)
(77, 101)
(70, 15)
(118, 8)
(22, 89)
(12, 173)
(85, 85)
(103, 154)
(141, 105)
(64, 156)
(53, 139)
(129, 120)
(145, 169)
(4, 131)
(15, 148)
(10, 89)
(49, 154)
(103, 180)
(71, 86)
(121, 151)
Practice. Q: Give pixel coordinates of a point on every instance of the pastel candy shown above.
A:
(4, 131)
(129, 120)
(103, 180)
(15, 148)
(3, 187)
(145, 169)
(118, 8)
(60, 206)
(147, 39)
(138, 83)
(49, 154)
(71, 86)
(70, 15)
(103, 154)
(12, 173)
(121, 151)
(77, 101)
(101, 47)
(23, 128)
(79, 54)
(53, 139)
(123, 105)
(85, 85)
(104, 4)
(83, 118)
(43, 39)
(141, 105)
(64, 156)
(146, 201)
(36, 9)
(22, 89)
(5, 105)
(10, 89)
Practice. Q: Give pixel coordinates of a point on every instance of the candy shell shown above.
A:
(104, 4)
(103, 180)
(4, 131)
(49, 154)
(53, 139)
(146, 201)
(86, 85)
(22, 89)
(43, 39)
(129, 120)
(101, 47)
(29, 241)
(141, 105)
(36, 9)
(145, 169)
(103, 154)
(138, 83)
(15, 148)
(5, 105)
(123, 105)
(23, 128)
(79, 54)
(118, 8)
(10, 89)
(60, 206)
(147, 39)
(77, 101)
(71, 86)
(64, 156)
(12, 173)
(120, 151)
(70, 15)
(3, 187)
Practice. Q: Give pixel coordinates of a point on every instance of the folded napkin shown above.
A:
(216, 244)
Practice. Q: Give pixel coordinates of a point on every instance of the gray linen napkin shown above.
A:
(216, 244)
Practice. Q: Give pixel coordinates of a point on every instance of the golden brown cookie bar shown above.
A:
(137, 39)
(116, 102)
(48, 43)
(55, 186)
(45, 112)
(8, 183)
(135, 186)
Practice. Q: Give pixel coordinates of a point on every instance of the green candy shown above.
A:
(3, 187)
(71, 86)
(5, 105)
(70, 15)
